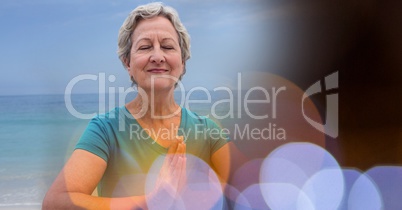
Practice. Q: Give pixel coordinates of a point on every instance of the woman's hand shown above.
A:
(172, 177)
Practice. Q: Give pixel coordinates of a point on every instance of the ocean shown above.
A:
(37, 136)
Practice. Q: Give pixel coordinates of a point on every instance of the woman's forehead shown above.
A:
(159, 26)
(152, 35)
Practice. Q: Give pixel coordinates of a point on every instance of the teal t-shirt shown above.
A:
(129, 151)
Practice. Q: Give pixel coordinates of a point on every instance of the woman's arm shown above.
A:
(73, 187)
(226, 160)
(221, 162)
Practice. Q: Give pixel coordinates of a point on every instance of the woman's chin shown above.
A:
(159, 86)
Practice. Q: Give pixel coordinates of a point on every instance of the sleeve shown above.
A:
(95, 139)
(218, 136)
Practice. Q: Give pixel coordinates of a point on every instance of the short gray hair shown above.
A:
(148, 11)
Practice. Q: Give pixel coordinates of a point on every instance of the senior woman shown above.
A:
(153, 46)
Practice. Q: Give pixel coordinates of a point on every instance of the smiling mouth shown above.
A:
(157, 71)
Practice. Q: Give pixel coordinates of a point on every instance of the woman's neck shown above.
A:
(154, 107)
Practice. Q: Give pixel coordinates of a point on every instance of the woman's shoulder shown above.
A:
(112, 117)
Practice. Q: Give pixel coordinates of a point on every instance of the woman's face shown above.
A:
(155, 58)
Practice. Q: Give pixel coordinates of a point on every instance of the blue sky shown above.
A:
(46, 43)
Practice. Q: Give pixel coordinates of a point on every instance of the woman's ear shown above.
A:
(184, 69)
(126, 63)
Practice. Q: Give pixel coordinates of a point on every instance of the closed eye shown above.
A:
(144, 47)
(167, 47)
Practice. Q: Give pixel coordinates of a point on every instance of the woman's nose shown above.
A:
(157, 56)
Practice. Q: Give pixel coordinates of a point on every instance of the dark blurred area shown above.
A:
(362, 40)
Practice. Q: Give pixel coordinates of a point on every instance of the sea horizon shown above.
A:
(38, 135)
